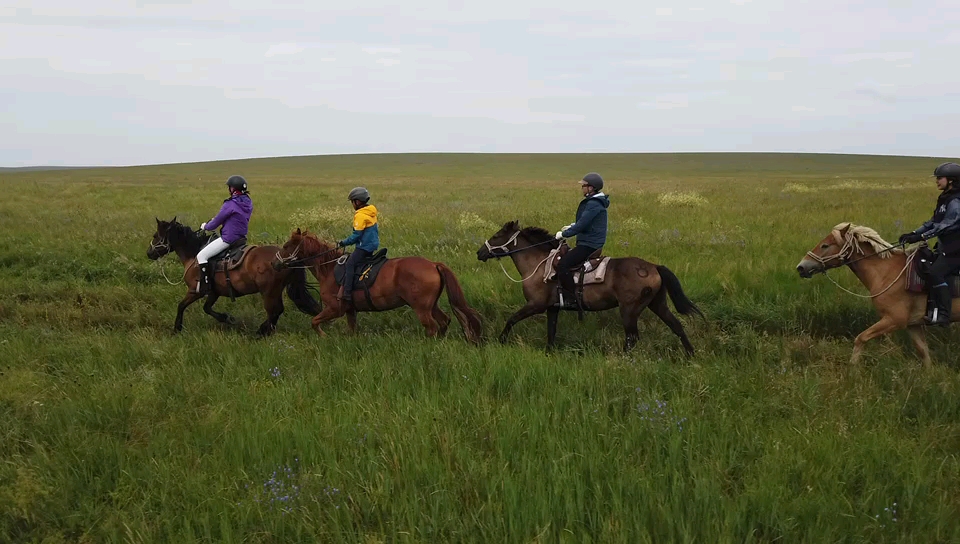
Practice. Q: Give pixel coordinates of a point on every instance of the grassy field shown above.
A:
(114, 429)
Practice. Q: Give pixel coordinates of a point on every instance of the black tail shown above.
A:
(297, 291)
(680, 301)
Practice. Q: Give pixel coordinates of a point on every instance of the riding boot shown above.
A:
(204, 282)
(941, 313)
(568, 297)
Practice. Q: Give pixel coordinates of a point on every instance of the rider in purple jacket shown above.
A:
(233, 219)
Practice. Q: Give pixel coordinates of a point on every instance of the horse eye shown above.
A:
(824, 246)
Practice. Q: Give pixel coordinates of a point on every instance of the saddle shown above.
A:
(366, 272)
(232, 257)
(590, 272)
(917, 274)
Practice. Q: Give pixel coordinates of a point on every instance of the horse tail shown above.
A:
(297, 291)
(468, 317)
(680, 301)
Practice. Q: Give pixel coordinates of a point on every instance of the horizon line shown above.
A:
(385, 153)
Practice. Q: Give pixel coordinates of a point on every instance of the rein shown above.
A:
(507, 252)
(847, 248)
(292, 261)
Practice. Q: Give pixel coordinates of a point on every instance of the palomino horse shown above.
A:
(882, 268)
(402, 281)
(255, 274)
(630, 283)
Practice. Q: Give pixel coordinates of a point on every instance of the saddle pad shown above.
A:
(597, 274)
(917, 279)
(594, 276)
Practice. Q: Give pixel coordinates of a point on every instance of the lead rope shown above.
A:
(905, 267)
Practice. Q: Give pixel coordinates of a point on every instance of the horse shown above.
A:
(402, 281)
(882, 268)
(630, 283)
(255, 274)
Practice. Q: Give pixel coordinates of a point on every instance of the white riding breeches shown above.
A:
(211, 249)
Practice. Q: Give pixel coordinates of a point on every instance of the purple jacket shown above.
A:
(234, 216)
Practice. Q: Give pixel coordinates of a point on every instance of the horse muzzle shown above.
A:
(808, 268)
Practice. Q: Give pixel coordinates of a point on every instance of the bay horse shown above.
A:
(402, 281)
(630, 283)
(255, 274)
(882, 268)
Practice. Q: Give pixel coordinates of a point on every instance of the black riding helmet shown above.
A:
(949, 170)
(238, 183)
(594, 180)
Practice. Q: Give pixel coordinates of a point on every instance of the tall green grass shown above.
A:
(114, 429)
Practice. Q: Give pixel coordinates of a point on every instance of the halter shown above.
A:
(503, 246)
(164, 244)
(850, 246)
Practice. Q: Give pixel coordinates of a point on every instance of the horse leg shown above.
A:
(884, 326)
(442, 319)
(187, 300)
(659, 307)
(208, 308)
(331, 312)
(352, 321)
(628, 316)
(273, 304)
(552, 315)
(529, 309)
(429, 323)
(920, 342)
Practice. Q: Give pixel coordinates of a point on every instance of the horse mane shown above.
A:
(312, 245)
(534, 235)
(183, 236)
(854, 235)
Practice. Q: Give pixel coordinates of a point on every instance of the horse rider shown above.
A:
(234, 218)
(366, 235)
(945, 225)
(590, 228)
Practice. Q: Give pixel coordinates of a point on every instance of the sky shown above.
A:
(124, 83)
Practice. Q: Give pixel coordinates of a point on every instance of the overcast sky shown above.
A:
(97, 82)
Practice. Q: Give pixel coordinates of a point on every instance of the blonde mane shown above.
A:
(851, 236)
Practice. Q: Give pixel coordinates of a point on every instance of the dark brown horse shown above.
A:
(630, 283)
(403, 281)
(254, 275)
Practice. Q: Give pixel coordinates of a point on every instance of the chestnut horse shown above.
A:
(402, 281)
(882, 268)
(630, 283)
(255, 274)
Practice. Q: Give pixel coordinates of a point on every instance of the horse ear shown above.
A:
(157, 218)
(174, 220)
(298, 231)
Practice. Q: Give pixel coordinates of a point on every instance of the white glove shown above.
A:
(203, 226)
(560, 235)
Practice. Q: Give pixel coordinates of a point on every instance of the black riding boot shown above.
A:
(203, 284)
(941, 311)
(568, 297)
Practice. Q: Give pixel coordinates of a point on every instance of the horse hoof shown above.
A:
(230, 320)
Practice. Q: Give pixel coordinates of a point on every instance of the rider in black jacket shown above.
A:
(945, 225)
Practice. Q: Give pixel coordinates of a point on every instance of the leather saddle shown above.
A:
(917, 275)
(594, 260)
(366, 272)
(232, 257)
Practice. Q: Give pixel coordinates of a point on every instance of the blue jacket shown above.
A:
(591, 226)
(366, 232)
